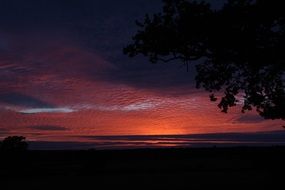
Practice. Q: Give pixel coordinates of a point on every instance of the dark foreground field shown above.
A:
(211, 168)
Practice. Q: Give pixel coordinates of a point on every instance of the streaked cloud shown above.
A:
(46, 110)
(48, 128)
(249, 118)
(138, 106)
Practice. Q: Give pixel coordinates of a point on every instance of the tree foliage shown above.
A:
(14, 144)
(239, 49)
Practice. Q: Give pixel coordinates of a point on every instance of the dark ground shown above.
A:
(211, 168)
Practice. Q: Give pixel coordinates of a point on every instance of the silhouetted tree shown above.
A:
(14, 144)
(239, 49)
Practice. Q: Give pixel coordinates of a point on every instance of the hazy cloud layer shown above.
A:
(156, 141)
(18, 99)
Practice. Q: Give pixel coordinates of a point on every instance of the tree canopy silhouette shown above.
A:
(14, 144)
(238, 49)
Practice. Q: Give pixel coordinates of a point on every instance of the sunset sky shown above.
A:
(63, 77)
